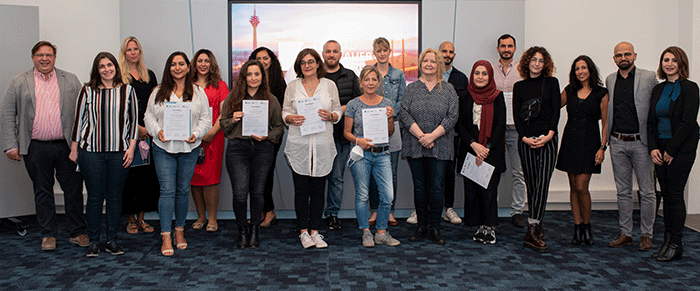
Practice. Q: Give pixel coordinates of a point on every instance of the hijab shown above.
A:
(485, 97)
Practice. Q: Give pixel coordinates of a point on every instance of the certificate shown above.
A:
(308, 107)
(508, 96)
(255, 117)
(177, 120)
(479, 174)
(375, 125)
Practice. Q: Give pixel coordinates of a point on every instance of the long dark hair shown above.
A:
(594, 79)
(167, 85)
(214, 77)
(96, 79)
(234, 101)
(274, 74)
(524, 64)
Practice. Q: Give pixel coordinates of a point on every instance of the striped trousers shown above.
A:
(538, 166)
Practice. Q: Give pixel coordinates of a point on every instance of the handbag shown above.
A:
(530, 109)
(201, 156)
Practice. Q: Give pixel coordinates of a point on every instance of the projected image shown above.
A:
(287, 28)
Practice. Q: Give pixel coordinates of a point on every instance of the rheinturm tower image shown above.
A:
(254, 21)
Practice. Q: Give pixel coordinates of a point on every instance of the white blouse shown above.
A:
(313, 154)
(200, 120)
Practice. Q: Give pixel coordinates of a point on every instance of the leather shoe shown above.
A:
(48, 243)
(644, 243)
(436, 237)
(664, 246)
(674, 252)
(621, 241)
(533, 241)
(242, 237)
(587, 234)
(253, 238)
(539, 230)
(519, 220)
(418, 235)
(578, 233)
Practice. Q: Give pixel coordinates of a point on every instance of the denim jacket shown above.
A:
(392, 87)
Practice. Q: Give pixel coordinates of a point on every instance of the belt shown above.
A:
(378, 149)
(626, 137)
(51, 141)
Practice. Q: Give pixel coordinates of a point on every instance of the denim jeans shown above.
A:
(519, 191)
(335, 179)
(374, 193)
(174, 175)
(428, 189)
(104, 178)
(248, 162)
(377, 165)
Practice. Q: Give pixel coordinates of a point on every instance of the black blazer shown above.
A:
(684, 125)
(470, 132)
(458, 80)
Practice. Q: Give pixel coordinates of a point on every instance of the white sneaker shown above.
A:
(367, 239)
(318, 240)
(306, 240)
(413, 219)
(451, 216)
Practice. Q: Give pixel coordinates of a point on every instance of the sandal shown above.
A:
(166, 251)
(198, 225)
(212, 228)
(132, 228)
(144, 226)
(180, 244)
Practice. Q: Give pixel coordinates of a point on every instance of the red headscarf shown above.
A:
(484, 96)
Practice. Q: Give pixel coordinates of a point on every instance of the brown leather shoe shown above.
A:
(533, 241)
(644, 243)
(621, 241)
(48, 243)
(81, 240)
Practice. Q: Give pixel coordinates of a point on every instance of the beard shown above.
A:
(506, 57)
(448, 61)
(625, 65)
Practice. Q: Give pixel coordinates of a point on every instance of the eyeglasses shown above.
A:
(627, 55)
(536, 60)
(310, 63)
(44, 55)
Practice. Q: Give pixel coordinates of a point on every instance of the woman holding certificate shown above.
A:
(275, 81)
(369, 121)
(178, 115)
(429, 112)
(104, 140)
(311, 107)
(249, 155)
(482, 125)
(207, 175)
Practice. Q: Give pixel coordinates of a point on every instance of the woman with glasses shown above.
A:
(309, 149)
(536, 105)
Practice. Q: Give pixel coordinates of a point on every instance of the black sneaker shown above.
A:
(93, 250)
(333, 222)
(480, 234)
(519, 220)
(113, 248)
(489, 235)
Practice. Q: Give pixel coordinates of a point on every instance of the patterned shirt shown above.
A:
(106, 119)
(354, 111)
(47, 114)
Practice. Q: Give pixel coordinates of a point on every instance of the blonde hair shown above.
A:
(381, 42)
(440, 62)
(140, 64)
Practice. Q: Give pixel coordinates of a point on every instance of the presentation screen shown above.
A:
(287, 27)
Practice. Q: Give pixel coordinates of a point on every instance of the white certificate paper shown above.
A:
(508, 96)
(375, 125)
(479, 174)
(255, 117)
(308, 107)
(177, 120)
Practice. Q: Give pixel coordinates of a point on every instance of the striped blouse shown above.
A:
(106, 119)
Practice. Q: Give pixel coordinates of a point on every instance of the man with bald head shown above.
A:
(630, 91)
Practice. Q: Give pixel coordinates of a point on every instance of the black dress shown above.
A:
(141, 188)
(581, 139)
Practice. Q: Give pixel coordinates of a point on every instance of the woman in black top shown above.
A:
(277, 85)
(673, 140)
(582, 144)
(538, 135)
(141, 189)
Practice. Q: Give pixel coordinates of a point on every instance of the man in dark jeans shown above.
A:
(348, 88)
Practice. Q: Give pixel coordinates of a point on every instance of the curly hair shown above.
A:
(524, 64)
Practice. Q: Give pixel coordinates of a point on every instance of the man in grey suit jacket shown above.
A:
(630, 91)
(37, 117)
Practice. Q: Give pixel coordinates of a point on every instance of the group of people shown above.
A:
(437, 123)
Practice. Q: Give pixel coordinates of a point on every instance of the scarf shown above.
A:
(484, 96)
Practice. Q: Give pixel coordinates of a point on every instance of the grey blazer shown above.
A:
(644, 82)
(18, 108)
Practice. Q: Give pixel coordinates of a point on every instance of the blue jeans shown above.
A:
(104, 178)
(248, 162)
(174, 175)
(377, 165)
(335, 179)
(428, 190)
(519, 191)
(374, 193)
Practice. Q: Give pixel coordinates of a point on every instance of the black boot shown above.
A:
(242, 237)
(673, 252)
(664, 247)
(587, 234)
(253, 240)
(578, 234)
